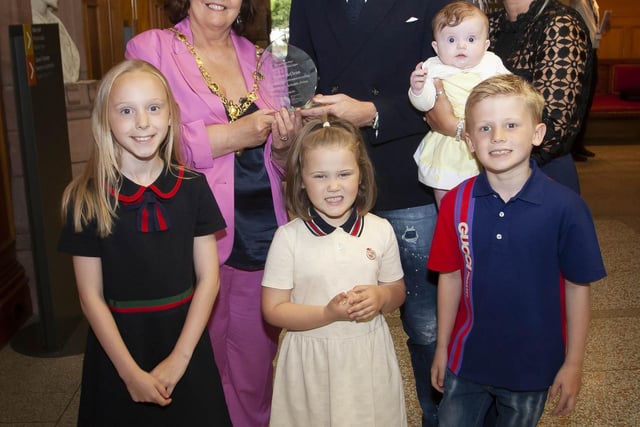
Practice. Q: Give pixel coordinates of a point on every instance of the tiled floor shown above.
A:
(44, 391)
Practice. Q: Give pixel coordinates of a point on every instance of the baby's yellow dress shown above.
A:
(442, 161)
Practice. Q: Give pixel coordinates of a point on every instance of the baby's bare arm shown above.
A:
(418, 78)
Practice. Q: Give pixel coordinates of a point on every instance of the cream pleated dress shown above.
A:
(345, 373)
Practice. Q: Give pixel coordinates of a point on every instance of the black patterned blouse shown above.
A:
(549, 46)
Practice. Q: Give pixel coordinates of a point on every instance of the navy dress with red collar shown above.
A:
(147, 282)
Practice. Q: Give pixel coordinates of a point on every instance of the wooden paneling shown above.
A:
(104, 35)
(623, 39)
(148, 14)
(98, 37)
(109, 24)
(259, 31)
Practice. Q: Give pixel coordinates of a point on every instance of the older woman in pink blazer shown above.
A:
(232, 134)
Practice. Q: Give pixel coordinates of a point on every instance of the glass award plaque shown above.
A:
(290, 76)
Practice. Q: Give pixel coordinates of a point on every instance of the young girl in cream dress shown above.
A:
(330, 275)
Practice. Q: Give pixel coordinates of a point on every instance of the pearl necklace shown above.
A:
(234, 110)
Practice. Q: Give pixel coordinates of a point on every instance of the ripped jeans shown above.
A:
(414, 229)
(465, 403)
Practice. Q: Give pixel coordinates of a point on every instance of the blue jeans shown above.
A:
(465, 403)
(414, 229)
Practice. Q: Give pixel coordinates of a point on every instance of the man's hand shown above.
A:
(359, 113)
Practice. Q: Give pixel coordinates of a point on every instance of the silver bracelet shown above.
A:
(375, 123)
(459, 128)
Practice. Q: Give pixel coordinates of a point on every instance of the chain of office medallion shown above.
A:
(234, 110)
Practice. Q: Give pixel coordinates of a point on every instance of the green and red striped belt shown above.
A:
(148, 305)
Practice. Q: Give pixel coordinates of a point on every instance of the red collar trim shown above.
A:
(319, 227)
(141, 189)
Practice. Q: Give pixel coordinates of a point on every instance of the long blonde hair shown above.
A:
(93, 196)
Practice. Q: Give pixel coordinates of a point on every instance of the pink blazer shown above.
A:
(199, 108)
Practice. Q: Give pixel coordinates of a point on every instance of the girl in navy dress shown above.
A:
(141, 230)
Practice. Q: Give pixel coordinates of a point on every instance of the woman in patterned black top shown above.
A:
(548, 44)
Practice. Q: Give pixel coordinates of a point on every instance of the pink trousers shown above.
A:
(244, 346)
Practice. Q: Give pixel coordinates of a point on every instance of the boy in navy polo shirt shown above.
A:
(516, 253)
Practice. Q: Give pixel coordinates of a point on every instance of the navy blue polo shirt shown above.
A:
(509, 331)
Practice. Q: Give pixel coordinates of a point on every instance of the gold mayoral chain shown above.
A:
(234, 110)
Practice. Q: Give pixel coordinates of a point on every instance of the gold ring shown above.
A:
(284, 138)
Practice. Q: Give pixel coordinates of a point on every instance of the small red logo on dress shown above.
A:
(371, 254)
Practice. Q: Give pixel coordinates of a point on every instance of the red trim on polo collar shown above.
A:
(319, 227)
